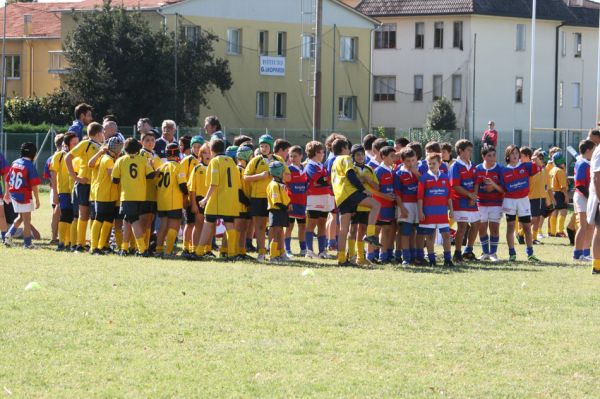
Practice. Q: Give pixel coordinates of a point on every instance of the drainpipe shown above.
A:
(556, 76)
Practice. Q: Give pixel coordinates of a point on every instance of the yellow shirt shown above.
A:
(258, 165)
(169, 176)
(188, 164)
(94, 179)
(197, 181)
(105, 191)
(538, 185)
(277, 194)
(246, 188)
(224, 201)
(59, 167)
(366, 172)
(342, 188)
(84, 151)
(155, 162)
(559, 179)
(132, 171)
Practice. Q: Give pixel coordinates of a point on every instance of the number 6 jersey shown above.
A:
(131, 171)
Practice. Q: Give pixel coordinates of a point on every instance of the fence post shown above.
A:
(513, 136)
(134, 131)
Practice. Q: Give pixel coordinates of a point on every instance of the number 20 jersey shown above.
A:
(132, 171)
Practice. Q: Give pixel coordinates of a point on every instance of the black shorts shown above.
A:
(278, 218)
(105, 211)
(188, 216)
(131, 210)
(148, 207)
(351, 203)
(384, 222)
(172, 214)
(317, 214)
(597, 218)
(259, 207)
(244, 215)
(360, 218)
(214, 218)
(538, 207)
(81, 194)
(561, 202)
(117, 213)
(297, 220)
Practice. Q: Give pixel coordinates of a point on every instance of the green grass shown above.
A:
(112, 327)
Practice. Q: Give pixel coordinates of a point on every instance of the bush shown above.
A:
(441, 116)
(54, 109)
(29, 128)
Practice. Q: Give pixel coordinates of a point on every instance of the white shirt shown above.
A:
(592, 204)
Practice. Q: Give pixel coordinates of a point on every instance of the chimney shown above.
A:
(27, 24)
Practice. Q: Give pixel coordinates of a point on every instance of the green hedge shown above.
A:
(56, 108)
(29, 128)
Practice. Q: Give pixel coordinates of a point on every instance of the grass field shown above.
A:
(128, 327)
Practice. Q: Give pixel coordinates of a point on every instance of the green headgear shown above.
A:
(244, 153)
(197, 140)
(231, 151)
(267, 138)
(276, 169)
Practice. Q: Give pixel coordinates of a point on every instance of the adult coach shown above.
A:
(490, 136)
(168, 128)
(83, 117)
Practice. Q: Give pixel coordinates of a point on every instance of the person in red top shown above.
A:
(490, 136)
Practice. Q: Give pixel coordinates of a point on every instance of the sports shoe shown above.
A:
(123, 253)
(512, 258)
(302, 252)
(8, 241)
(432, 263)
(458, 258)
(324, 255)
(276, 260)
(345, 264)
(541, 236)
(418, 262)
(448, 263)
(284, 256)
(250, 248)
(289, 255)
(53, 242)
(30, 246)
(594, 271)
(405, 263)
(533, 258)
(561, 235)
(484, 257)
(520, 239)
(537, 242)
(60, 247)
(469, 256)
(97, 251)
(311, 255)
(373, 240)
(586, 258)
(260, 258)
(209, 254)
(494, 258)
(79, 249)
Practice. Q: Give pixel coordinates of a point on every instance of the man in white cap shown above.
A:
(490, 136)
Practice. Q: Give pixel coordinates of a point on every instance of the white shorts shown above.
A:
(466, 216)
(22, 208)
(321, 203)
(413, 213)
(435, 226)
(51, 196)
(516, 206)
(579, 202)
(490, 213)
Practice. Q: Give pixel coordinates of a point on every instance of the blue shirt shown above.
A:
(77, 127)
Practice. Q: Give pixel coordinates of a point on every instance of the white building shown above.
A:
(477, 54)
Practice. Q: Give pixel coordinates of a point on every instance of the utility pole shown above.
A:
(532, 73)
(3, 141)
(317, 72)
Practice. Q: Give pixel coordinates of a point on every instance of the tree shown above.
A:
(441, 116)
(122, 66)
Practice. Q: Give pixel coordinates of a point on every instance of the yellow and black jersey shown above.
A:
(260, 164)
(155, 163)
(197, 181)
(85, 150)
(103, 190)
(168, 178)
(58, 165)
(131, 171)
(277, 195)
(223, 173)
(342, 187)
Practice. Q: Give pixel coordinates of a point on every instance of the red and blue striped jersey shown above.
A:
(314, 172)
(462, 175)
(46, 174)
(385, 176)
(4, 167)
(406, 185)
(22, 177)
(296, 189)
(423, 167)
(516, 179)
(582, 173)
(434, 191)
(372, 163)
(492, 198)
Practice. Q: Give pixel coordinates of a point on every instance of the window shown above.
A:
(279, 111)
(560, 94)
(456, 87)
(420, 35)
(457, 37)
(577, 45)
(234, 41)
(438, 35)
(281, 43)
(348, 48)
(385, 36)
(563, 43)
(519, 91)
(308, 46)
(262, 104)
(58, 63)
(192, 33)
(418, 92)
(263, 42)
(347, 107)
(520, 37)
(518, 137)
(13, 67)
(384, 88)
(437, 87)
(576, 95)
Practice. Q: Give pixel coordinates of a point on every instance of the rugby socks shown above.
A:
(302, 245)
(552, 229)
(468, 250)
(322, 241)
(273, 252)
(586, 252)
(447, 256)
(341, 257)
(81, 231)
(147, 235)
(171, 237)
(596, 265)
(288, 244)
(370, 230)
(141, 243)
(511, 251)
(407, 255)
(577, 253)
(96, 228)
(3, 234)
(529, 251)
(119, 237)
(390, 253)
(398, 254)
(12, 230)
(64, 230)
(104, 235)
(73, 235)
(561, 223)
(351, 249)
(383, 256)
(494, 244)
(26, 241)
(485, 244)
(309, 235)
(360, 251)
(231, 240)
(420, 254)
(413, 253)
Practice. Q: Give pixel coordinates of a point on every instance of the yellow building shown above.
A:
(34, 60)
(270, 48)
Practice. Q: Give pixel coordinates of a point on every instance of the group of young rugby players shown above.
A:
(381, 201)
